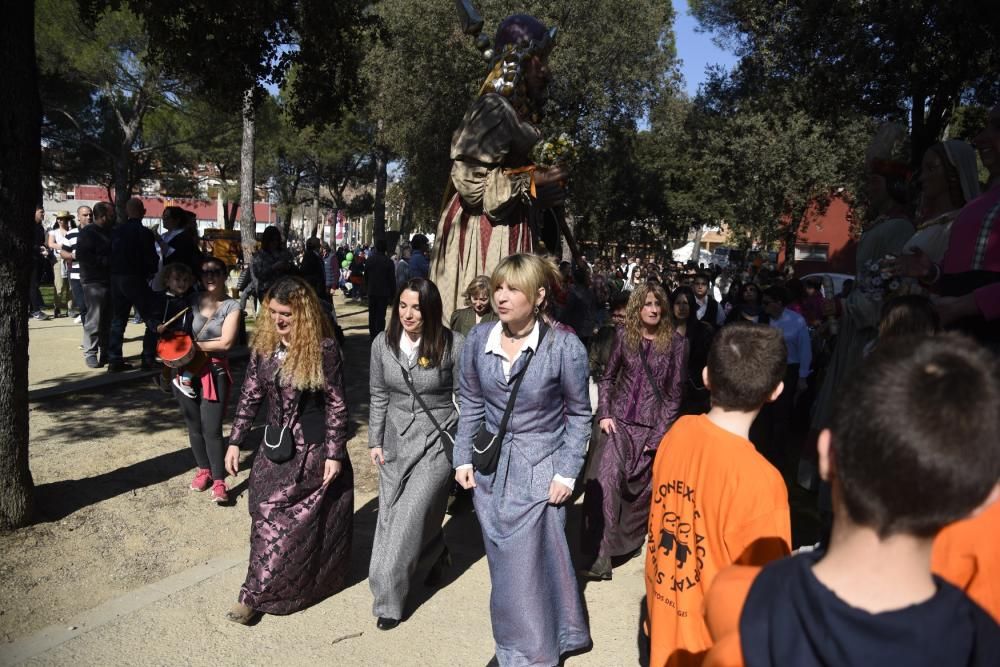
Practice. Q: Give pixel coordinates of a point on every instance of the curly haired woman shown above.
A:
(639, 400)
(301, 508)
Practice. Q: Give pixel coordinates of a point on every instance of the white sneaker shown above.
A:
(185, 389)
(77, 320)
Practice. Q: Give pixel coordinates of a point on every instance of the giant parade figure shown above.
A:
(499, 202)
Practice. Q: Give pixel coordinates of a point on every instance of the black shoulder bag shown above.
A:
(486, 446)
(279, 444)
(447, 435)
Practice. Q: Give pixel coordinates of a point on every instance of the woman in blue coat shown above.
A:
(535, 605)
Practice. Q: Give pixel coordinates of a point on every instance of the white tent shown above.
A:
(685, 254)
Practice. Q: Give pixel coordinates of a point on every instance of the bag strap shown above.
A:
(502, 431)
(423, 406)
(649, 374)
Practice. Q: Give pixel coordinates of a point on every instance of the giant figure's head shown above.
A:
(519, 68)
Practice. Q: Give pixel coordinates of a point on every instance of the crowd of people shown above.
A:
(682, 401)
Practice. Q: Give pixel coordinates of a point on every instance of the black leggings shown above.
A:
(204, 425)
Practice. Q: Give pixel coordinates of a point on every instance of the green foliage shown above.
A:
(612, 62)
(917, 58)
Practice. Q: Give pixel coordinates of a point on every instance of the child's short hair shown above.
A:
(915, 435)
(908, 315)
(745, 364)
(174, 269)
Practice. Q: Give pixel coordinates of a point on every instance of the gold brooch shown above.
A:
(424, 362)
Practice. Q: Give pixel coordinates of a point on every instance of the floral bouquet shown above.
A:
(555, 150)
(879, 283)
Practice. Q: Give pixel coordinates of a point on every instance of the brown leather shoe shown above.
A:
(242, 614)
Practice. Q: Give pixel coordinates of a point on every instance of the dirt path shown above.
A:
(111, 469)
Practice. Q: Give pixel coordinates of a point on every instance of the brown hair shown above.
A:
(745, 364)
(915, 435)
(633, 319)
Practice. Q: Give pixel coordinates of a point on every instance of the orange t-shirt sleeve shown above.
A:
(967, 555)
(761, 539)
(723, 607)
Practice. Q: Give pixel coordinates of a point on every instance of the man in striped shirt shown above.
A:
(68, 251)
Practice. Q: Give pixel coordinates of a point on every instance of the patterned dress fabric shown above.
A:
(415, 479)
(300, 536)
(616, 505)
(535, 605)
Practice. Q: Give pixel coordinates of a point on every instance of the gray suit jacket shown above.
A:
(552, 415)
(397, 423)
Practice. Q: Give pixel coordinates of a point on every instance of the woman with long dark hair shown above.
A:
(699, 334)
(301, 507)
(639, 400)
(414, 375)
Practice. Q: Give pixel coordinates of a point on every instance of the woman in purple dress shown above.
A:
(301, 508)
(639, 398)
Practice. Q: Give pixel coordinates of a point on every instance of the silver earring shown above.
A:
(536, 310)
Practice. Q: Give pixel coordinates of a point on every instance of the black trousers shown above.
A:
(128, 291)
(204, 423)
(34, 293)
(376, 314)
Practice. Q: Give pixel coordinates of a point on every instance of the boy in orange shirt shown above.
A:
(912, 448)
(716, 501)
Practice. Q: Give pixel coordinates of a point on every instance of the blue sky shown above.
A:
(695, 49)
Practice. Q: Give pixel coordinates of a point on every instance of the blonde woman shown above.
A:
(535, 606)
(478, 307)
(639, 398)
(301, 507)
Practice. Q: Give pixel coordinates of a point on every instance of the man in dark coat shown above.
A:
(312, 269)
(380, 274)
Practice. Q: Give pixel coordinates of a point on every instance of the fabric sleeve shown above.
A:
(378, 404)
(674, 388)
(335, 441)
(988, 301)
(723, 608)
(762, 538)
(251, 395)
(471, 402)
(479, 149)
(607, 382)
(573, 376)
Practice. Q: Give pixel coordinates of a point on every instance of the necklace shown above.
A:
(512, 337)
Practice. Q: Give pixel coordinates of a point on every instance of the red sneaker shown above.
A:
(219, 492)
(202, 480)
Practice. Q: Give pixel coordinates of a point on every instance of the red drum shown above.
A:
(175, 349)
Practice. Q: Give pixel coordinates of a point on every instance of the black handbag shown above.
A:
(279, 443)
(486, 446)
(447, 435)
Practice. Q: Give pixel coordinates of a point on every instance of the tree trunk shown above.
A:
(317, 185)
(696, 253)
(20, 192)
(381, 177)
(122, 192)
(248, 224)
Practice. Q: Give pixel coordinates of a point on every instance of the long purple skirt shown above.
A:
(300, 535)
(616, 504)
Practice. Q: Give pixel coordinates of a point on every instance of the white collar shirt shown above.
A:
(408, 347)
(493, 346)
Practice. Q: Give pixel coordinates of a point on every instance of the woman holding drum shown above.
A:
(215, 320)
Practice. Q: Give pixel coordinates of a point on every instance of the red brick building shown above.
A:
(825, 242)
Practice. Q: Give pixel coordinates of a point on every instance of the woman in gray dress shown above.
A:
(535, 604)
(408, 448)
